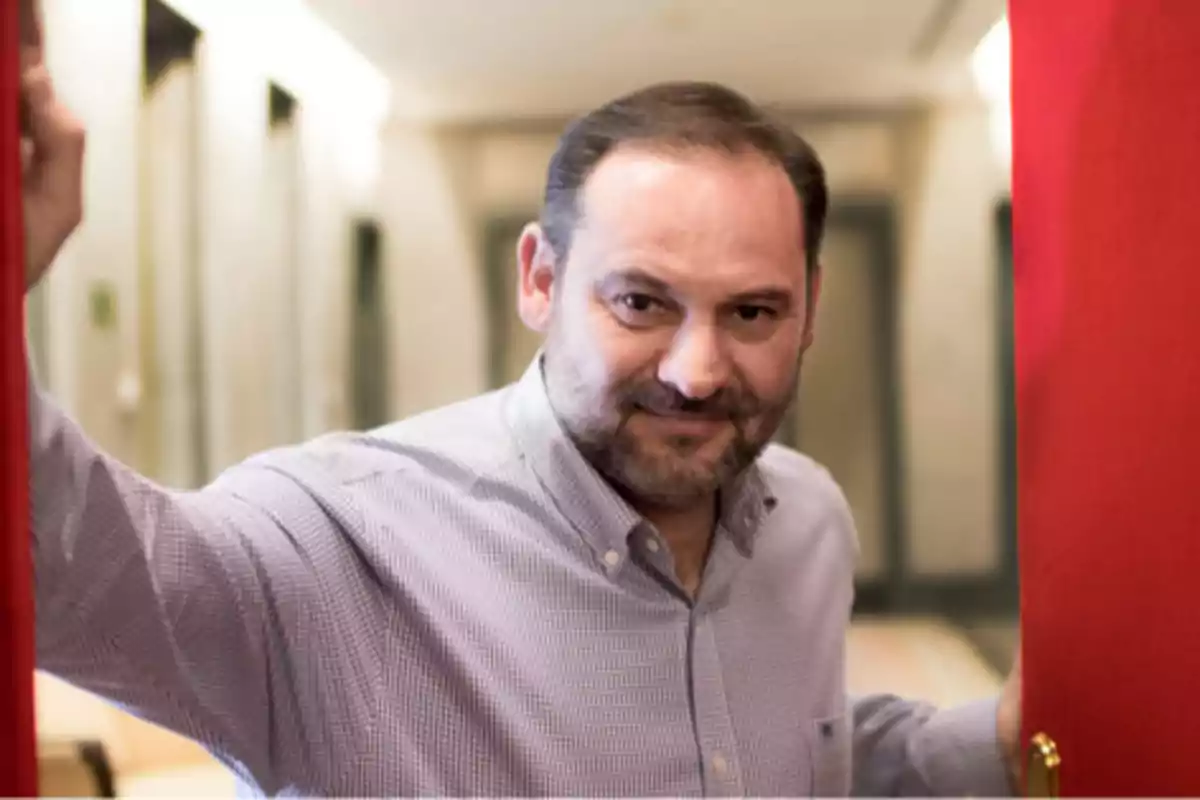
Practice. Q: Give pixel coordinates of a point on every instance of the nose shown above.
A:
(696, 365)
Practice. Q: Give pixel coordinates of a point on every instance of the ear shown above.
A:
(536, 263)
(812, 294)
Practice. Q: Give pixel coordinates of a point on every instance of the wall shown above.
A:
(94, 54)
(172, 404)
(279, 233)
(948, 347)
(432, 273)
(936, 165)
(245, 304)
(340, 168)
(97, 372)
(239, 299)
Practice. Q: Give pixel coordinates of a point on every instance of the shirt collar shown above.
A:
(599, 514)
(745, 506)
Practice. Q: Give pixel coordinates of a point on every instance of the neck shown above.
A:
(688, 533)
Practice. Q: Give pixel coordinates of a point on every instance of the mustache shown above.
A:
(658, 398)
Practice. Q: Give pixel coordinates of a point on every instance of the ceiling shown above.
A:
(509, 59)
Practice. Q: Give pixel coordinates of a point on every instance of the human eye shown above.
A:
(753, 313)
(640, 309)
(752, 319)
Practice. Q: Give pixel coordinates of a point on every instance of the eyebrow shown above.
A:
(632, 277)
(770, 296)
(637, 278)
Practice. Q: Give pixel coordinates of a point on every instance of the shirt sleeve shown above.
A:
(903, 748)
(170, 604)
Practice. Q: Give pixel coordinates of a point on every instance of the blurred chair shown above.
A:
(69, 768)
(138, 758)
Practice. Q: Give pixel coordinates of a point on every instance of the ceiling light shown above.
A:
(991, 65)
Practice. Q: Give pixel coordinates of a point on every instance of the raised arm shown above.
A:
(158, 600)
(168, 603)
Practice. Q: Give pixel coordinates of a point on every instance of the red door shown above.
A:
(1106, 213)
(17, 756)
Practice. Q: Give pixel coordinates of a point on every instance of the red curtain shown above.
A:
(18, 757)
(1106, 198)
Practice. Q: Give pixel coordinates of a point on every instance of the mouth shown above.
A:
(683, 423)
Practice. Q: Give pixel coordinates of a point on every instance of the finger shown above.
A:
(62, 167)
(57, 140)
(52, 128)
(31, 24)
(23, 118)
(30, 57)
(32, 40)
(36, 89)
(58, 144)
(37, 94)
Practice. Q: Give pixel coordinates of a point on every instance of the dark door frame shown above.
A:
(499, 237)
(1007, 387)
(874, 218)
(368, 371)
(994, 593)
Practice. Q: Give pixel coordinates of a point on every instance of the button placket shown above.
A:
(713, 724)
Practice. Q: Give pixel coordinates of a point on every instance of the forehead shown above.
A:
(693, 214)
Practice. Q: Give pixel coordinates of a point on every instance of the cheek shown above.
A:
(624, 352)
(769, 369)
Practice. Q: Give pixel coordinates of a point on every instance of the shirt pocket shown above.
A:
(830, 756)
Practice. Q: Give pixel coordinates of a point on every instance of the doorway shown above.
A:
(511, 344)
(844, 417)
(170, 289)
(368, 340)
(281, 211)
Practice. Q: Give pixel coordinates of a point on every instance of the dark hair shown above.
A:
(686, 114)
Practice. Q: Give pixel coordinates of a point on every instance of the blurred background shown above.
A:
(301, 217)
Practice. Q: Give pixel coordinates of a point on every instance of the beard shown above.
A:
(661, 471)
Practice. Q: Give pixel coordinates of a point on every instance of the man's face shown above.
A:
(676, 327)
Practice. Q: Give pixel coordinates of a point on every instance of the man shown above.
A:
(598, 581)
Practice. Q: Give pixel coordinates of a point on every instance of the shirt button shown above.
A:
(652, 545)
(612, 558)
(720, 765)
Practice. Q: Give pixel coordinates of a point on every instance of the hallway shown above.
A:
(274, 252)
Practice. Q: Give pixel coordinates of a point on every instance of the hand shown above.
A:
(1008, 722)
(52, 158)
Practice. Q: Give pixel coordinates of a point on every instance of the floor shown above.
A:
(210, 780)
(927, 658)
(994, 637)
